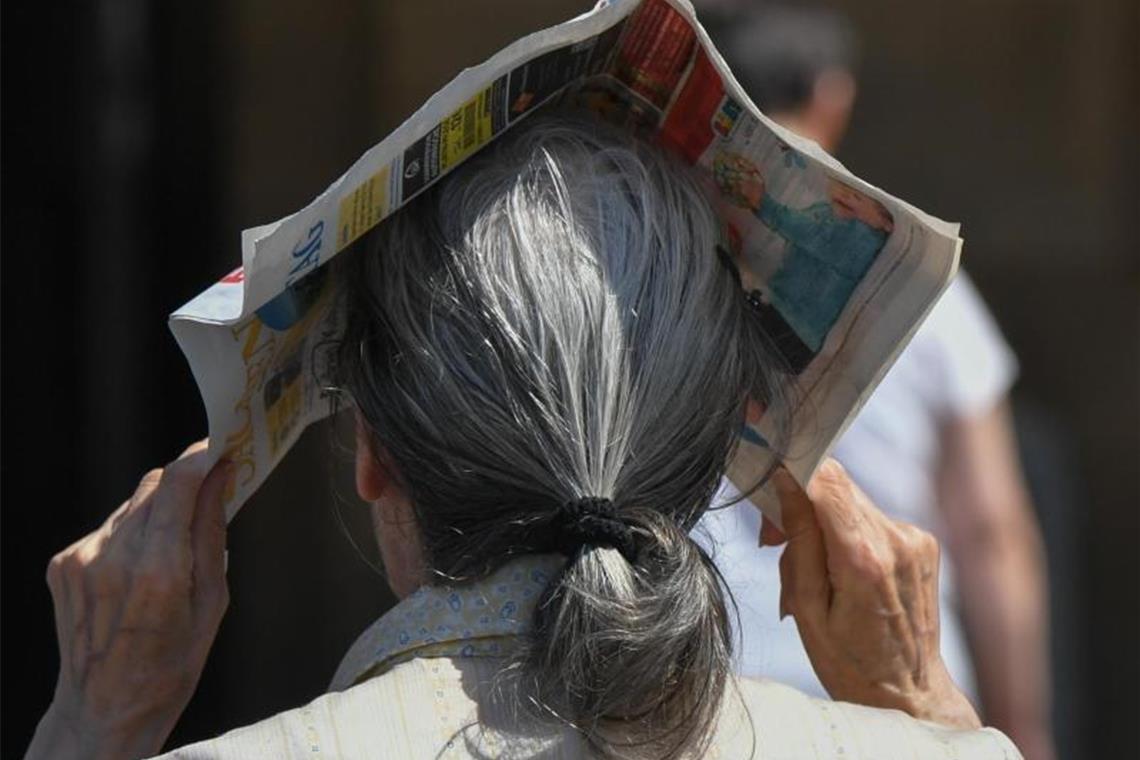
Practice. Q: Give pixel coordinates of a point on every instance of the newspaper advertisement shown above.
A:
(841, 273)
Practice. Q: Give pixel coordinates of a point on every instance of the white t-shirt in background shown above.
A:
(957, 366)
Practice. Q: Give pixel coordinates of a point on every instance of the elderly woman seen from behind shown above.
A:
(549, 367)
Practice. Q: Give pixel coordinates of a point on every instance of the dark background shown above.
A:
(139, 138)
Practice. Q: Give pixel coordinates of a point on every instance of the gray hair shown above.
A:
(551, 322)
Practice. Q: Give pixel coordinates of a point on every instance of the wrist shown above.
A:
(54, 738)
(65, 734)
(944, 703)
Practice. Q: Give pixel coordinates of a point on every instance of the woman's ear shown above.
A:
(754, 412)
(372, 477)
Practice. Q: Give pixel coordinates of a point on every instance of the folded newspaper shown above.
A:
(841, 272)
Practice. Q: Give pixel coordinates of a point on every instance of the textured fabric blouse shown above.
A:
(418, 683)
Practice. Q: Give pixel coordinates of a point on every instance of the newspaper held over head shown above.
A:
(841, 273)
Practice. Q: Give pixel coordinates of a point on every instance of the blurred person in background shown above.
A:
(934, 446)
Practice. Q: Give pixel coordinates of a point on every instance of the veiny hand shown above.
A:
(137, 606)
(863, 590)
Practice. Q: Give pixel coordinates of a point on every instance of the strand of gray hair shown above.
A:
(549, 323)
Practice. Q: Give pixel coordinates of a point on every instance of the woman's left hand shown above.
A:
(863, 589)
(137, 606)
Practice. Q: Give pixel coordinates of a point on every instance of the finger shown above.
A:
(770, 534)
(917, 570)
(209, 538)
(63, 607)
(136, 512)
(127, 525)
(840, 507)
(202, 444)
(860, 554)
(172, 508)
(804, 585)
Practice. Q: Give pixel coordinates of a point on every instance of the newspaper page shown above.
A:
(841, 273)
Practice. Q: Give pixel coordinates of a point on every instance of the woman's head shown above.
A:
(550, 323)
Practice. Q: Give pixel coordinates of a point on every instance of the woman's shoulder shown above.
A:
(415, 709)
(788, 723)
(437, 707)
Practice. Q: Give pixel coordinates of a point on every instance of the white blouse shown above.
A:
(416, 685)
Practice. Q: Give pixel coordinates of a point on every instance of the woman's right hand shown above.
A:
(863, 590)
(138, 603)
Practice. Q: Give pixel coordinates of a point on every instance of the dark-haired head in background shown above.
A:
(798, 64)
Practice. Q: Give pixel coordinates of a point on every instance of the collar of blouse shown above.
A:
(478, 619)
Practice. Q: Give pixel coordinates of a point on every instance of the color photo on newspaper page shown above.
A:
(841, 272)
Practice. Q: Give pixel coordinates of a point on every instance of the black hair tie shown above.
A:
(594, 521)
